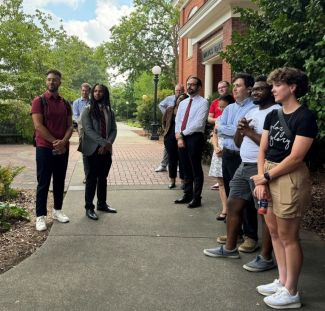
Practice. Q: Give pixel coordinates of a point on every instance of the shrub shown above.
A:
(18, 113)
(144, 112)
(9, 214)
(7, 175)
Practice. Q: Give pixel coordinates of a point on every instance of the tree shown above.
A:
(29, 47)
(21, 52)
(146, 38)
(283, 33)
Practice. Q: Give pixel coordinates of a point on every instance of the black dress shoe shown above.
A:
(90, 213)
(106, 208)
(182, 200)
(171, 186)
(194, 203)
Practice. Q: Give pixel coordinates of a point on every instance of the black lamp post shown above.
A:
(156, 70)
(127, 111)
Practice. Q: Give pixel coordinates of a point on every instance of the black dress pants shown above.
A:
(173, 157)
(190, 158)
(48, 165)
(230, 162)
(96, 178)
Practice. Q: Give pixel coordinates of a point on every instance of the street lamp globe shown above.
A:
(156, 70)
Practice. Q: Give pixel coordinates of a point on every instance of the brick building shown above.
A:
(206, 27)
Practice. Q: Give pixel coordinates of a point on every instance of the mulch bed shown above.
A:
(22, 239)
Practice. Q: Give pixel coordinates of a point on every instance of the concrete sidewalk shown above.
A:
(148, 256)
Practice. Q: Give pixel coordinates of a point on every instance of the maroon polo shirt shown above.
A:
(57, 117)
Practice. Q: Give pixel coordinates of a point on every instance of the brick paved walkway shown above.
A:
(134, 161)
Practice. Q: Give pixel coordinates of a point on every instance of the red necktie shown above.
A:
(102, 124)
(187, 113)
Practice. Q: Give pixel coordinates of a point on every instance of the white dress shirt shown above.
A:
(197, 118)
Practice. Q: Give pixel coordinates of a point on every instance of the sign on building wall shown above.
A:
(211, 51)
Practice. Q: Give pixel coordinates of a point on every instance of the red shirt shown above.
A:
(214, 108)
(56, 120)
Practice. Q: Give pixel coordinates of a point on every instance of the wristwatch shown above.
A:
(267, 176)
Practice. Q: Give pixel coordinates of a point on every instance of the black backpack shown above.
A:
(43, 104)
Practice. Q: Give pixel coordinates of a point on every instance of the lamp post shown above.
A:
(127, 111)
(156, 70)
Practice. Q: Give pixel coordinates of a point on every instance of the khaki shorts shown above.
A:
(291, 193)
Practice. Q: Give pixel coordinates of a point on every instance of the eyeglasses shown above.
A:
(191, 84)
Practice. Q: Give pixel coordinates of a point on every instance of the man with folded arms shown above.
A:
(247, 137)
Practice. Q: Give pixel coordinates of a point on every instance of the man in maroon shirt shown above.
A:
(52, 119)
(215, 112)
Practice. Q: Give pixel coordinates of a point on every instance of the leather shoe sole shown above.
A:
(194, 204)
(91, 214)
(106, 209)
(182, 201)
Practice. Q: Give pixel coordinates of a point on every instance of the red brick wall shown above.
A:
(231, 25)
(186, 11)
(189, 66)
(192, 65)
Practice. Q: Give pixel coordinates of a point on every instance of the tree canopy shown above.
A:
(146, 38)
(29, 47)
(284, 33)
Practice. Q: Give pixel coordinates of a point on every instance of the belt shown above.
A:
(233, 152)
(249, 164)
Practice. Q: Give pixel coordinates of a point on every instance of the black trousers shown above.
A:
(48, 165)
(173, 157)
(230, 162)
(190, 158)
(96, 178)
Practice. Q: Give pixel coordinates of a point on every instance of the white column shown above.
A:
(208, 80)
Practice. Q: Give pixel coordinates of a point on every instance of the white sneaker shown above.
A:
(282, 299)
(60, 216)
(269, 289)
(40, 223)
(161, 169)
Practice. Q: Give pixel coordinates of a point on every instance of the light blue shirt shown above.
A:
(167, 102)
(78, 107)
(196, 119)
(229, 121)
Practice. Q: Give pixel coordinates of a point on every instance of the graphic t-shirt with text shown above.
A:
(301, 122)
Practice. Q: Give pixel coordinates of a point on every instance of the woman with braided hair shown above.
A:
(99, 133)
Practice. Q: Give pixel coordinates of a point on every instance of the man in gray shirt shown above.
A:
(77, 109)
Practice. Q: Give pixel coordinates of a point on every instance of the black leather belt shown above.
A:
(249, 164)
(233, 152)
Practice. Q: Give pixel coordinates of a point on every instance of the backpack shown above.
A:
(43, 104)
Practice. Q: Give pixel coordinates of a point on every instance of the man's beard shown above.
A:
(258, 102)
(53, 89)
(191, 92)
